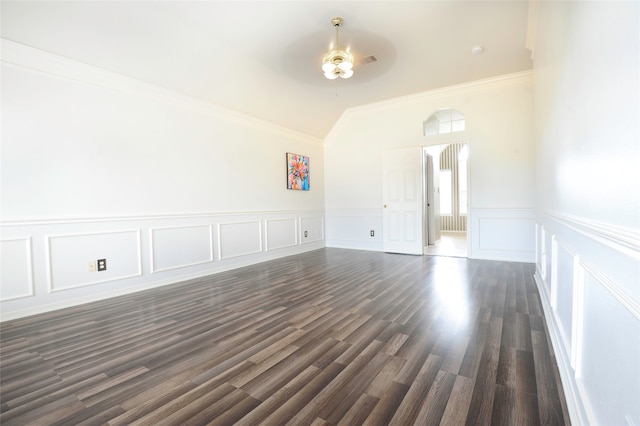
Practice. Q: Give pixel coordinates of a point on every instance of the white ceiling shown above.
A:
(263, 58)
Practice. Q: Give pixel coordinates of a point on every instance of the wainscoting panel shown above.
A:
(351, 228)
(312, 229)
(45, 264)
(281, 233)
(180, 247)
(562, 291)
(239, 239)
(347, 228)
(539, 247)
(610, 388)
(507, 234)
(69, 256)
(548, 256)
(541, 255)
(494, 238)
(16, 274)
(503, 234)
(589, 293)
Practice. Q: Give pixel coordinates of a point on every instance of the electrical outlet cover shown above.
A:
(102, 264)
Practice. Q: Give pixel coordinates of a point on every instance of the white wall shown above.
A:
(587, 104)
(82, 142)
(499, 126)
(97, 165)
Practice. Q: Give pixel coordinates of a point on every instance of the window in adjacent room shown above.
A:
(446, 205)
(443, 121)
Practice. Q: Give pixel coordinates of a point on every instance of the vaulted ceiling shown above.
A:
(263, 58)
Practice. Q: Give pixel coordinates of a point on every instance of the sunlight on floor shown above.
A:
(450, 244)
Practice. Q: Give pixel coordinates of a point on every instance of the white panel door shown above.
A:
(402, 212)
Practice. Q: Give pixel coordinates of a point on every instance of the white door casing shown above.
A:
(430, 199)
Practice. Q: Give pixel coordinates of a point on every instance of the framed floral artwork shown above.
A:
(297, 172)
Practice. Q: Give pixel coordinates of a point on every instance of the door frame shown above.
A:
(447, 139)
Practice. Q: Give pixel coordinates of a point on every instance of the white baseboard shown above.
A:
(67, 303)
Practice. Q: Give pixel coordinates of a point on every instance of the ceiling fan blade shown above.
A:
(367, 60)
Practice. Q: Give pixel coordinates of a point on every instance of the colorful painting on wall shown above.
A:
(297, 172)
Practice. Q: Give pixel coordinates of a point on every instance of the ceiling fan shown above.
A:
(339, 61)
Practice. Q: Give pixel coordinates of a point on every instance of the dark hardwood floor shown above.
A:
(340, 337)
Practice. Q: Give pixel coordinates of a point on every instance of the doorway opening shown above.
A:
(446, 183)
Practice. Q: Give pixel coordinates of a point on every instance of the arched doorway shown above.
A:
(446, 184)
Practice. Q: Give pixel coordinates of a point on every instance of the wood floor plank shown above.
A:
(47, 413)
(305, 398)
(504, 406)
(353, 389)
(378, 387)
(481, 407)
(282, 396)
(527, 412)
(254, 370)
(506, 373)
(386, 408)
(551, 404)
(45, 395)
(432, 409)
(475, 349)
(457, 408)
(525, 373)
(235, 413)
(205, 409)
(331, 392)
(328, 337)
(150, 400)
(410, 406)
(359, 411)
(454, 356)
(271, 380)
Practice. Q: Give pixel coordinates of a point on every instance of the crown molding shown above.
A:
(27, 57)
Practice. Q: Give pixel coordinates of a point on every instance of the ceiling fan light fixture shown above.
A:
(337, 62)
(328, 67)
(345, 65)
